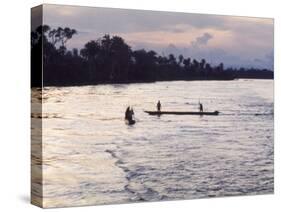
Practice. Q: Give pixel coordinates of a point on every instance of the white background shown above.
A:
(15, 102)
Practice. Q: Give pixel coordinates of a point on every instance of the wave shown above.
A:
(141, 192)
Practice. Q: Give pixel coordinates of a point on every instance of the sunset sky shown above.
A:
(235, 41)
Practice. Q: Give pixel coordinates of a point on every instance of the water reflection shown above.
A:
(92, 157)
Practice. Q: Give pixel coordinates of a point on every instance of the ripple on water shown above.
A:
(92, 157)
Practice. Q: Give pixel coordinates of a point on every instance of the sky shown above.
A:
(235, 41)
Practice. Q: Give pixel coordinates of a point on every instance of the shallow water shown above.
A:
(91, 157)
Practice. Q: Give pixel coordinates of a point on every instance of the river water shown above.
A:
(90, 156)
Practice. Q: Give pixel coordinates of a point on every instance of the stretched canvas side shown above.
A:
(36, 107)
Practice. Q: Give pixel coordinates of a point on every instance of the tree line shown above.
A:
(110, 59)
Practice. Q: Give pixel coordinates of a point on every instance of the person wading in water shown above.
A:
(158, 106)
(200, 107)
(129, 115)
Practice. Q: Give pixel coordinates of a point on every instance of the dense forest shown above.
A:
(110, 60)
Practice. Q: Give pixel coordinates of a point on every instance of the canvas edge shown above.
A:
(36, 184)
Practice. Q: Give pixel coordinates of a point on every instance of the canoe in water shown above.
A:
(215, 113)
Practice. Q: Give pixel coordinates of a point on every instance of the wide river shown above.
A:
(90, 156)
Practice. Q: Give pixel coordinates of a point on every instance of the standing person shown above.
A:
(200, 107)
(129, 116)
(128, 113)
(158, 106)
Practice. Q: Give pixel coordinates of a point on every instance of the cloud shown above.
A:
(241, 39)
(124, 20)
(202, 40)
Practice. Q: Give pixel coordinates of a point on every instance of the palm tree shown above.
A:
(181, 58)
(195, 64)
(90, 53)
(172, 59)
(186, 63)
(202, 64)
(67, 34)
(120, 58)
(61, 35)
(221, 67)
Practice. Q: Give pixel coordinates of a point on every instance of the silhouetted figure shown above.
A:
(158, 106)
(129, 116)
(200, 107)
(128, 113)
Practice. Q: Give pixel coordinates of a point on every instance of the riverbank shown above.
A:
(268, 75)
